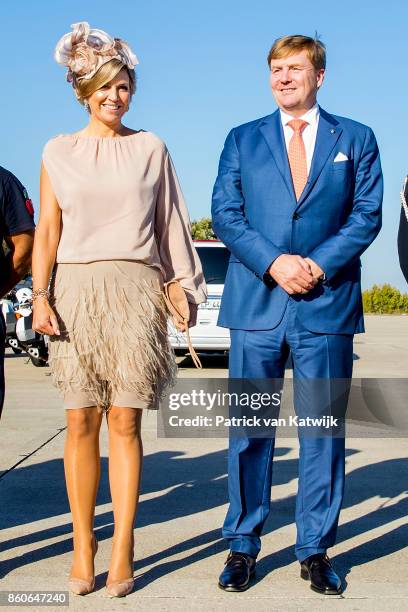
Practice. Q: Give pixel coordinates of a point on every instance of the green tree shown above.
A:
(5, 247)
(201, 229)
(385, 299)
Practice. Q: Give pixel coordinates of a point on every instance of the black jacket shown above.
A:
(403, 235)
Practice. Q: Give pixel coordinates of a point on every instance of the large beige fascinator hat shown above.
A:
(85, 50)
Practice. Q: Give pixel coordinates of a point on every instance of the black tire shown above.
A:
(38, 362)
(16, 351)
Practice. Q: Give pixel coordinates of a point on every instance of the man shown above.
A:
(297, 200)
(17, 230)
(403, 231)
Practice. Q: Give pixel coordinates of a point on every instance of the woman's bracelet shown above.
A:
(40, 293)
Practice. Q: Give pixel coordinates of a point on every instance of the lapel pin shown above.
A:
(332, 131)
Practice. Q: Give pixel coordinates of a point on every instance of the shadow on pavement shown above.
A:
(219, 361)
(208, 360)
(11, 355)
(37, 492)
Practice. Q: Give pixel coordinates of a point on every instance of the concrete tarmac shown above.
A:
(179, 552)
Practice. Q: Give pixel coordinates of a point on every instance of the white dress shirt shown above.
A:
(309, 133)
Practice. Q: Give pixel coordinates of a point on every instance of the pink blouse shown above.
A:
(120, 199)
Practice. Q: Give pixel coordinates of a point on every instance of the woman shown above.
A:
(114, 221)
(403, 231)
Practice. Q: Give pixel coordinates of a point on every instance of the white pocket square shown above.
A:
(340, 157)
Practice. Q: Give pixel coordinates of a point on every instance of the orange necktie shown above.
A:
(297, 156)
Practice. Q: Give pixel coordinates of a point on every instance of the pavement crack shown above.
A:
(13, 467)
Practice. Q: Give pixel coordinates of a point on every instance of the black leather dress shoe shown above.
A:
(323, 579)
(238, 571)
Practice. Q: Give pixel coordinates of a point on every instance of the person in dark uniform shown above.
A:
(17, 232)
(403, 231)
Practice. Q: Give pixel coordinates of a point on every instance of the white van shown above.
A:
(206, 335)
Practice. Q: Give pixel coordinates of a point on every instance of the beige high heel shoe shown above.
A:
(121, 588)
(79, 586)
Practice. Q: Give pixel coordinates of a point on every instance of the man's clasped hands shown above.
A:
(295, 274)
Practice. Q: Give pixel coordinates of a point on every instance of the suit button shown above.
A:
(296, 216)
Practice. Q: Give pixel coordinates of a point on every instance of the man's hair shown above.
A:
(289, 45)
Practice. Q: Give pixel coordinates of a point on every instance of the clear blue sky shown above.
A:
(202, 71)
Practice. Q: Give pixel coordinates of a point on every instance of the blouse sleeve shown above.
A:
(178, 256)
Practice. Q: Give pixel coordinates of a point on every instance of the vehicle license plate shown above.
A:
(210, 305)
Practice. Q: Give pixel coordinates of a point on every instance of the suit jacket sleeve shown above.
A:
(364, 221)
(228, 215)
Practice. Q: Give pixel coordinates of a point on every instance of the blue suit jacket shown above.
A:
(255, 213)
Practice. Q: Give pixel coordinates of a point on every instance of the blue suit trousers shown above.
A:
(263, 354)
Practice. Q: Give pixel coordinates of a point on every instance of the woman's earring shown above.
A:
(86, 104)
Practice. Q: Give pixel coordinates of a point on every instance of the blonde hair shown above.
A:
(86, 87)
(289, 45)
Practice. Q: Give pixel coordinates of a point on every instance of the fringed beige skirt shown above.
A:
(113, 348)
